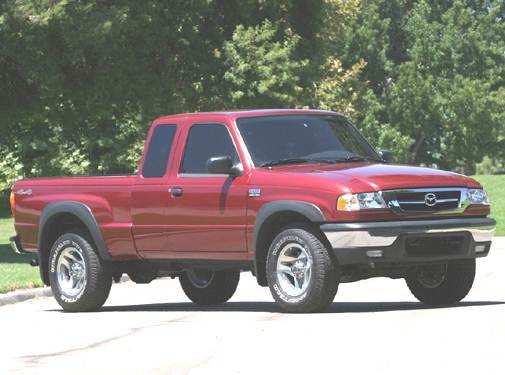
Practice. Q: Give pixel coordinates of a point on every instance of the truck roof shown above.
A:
(234, 114)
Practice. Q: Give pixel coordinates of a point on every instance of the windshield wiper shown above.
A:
(352, 158)
(295, 161)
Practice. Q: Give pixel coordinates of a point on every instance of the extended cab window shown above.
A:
(156, 161)
(206, 141)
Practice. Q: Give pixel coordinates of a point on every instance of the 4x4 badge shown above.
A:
(24, 192)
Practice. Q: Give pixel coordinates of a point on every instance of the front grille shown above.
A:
(427, 200)
(434, 245)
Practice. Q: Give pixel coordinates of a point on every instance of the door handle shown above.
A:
(175, 191)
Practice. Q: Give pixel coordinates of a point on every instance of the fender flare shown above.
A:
(308, 210)
(83, 213)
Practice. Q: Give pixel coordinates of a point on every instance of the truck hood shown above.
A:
(361, 176)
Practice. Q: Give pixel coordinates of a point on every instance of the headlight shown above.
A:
(360, 201)
(477, 196)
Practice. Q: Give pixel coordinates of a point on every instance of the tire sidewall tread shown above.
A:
(98, 274)
(324, 276)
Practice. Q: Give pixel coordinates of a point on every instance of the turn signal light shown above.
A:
(13, 203)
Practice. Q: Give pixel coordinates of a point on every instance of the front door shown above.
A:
(207, 212)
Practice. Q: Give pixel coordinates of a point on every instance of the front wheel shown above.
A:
(80, 280)
(206, 287)
(302, 275)
(442, 284)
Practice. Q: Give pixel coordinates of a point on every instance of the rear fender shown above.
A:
(81, 212)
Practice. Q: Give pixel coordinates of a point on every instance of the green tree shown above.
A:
(80, 80)
(261, 68)
(437, 74)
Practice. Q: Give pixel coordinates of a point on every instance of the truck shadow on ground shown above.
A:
(7, 255)
(336, 307)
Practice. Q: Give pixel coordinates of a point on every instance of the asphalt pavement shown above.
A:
(374, 326)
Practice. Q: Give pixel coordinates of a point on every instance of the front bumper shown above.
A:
(403, 241)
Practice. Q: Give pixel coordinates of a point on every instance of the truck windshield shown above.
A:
(275, 140)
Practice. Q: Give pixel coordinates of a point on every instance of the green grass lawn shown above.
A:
(15, 272)
(495, 187)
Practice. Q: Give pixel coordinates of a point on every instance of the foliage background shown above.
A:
(80, 80)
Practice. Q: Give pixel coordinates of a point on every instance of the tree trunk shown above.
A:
(415, 151)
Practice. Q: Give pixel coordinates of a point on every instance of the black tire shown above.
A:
(322, 281)
(214, 288)
(142, 273)
(456, 280)
(97, 278)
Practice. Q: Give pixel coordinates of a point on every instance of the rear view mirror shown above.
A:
(223, 165)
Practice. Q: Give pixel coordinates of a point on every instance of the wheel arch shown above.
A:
(270, 219)
(58, 217)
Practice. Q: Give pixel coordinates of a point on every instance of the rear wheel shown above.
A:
(79, 279)
(442, 284)
(206, 287)
(302, 275)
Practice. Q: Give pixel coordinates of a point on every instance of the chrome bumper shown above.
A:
(383, 234)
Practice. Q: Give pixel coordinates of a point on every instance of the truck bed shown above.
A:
(107, 196)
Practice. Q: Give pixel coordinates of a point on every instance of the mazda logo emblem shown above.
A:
(430, 199)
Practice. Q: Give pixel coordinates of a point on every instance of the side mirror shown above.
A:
(386, 155)
(223, 165)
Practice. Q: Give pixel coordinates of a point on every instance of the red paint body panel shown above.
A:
(214, 218)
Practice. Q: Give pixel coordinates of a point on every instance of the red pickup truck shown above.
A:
(298, 197)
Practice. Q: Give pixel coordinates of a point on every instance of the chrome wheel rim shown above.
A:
(432, 276)
(294, 269)
(200, 278)
(71, 272)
